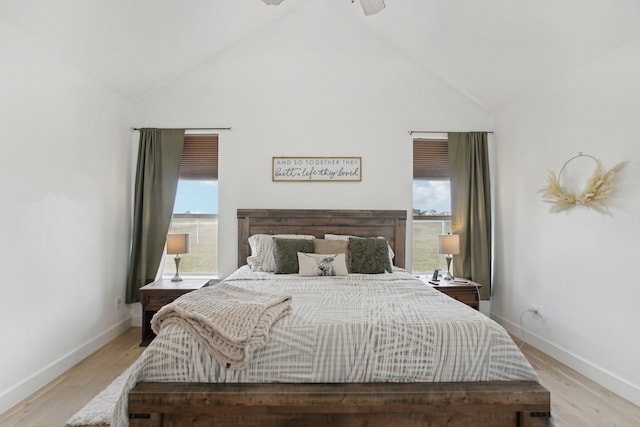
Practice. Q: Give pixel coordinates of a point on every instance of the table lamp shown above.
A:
(177, 244)
(449, 244)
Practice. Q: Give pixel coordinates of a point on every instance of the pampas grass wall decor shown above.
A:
(597, 189)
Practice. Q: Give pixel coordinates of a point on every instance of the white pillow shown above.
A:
(322, 264)
(262, 258)
(346, 237)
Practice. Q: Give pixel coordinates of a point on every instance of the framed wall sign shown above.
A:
(316, 169)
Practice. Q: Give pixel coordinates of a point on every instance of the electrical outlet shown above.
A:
(118, 302)
(535, 311)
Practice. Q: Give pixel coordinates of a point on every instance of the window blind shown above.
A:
(430, 159)
(199, 157)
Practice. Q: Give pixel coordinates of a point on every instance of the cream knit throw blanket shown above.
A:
(229, 321)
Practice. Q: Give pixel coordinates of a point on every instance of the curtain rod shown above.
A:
(227, 128)
(411, 132)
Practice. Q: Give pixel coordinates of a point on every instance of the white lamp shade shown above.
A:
(449, 244)
(177, 243)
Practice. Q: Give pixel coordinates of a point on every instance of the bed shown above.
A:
(490, 385)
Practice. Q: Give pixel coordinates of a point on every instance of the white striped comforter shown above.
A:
(357, 328)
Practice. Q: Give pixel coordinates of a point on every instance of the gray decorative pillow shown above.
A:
(285, 253)
(322, 246)
(261, 258)
(369, 255)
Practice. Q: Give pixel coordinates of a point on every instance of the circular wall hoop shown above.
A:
(580, 154)
(598, 187)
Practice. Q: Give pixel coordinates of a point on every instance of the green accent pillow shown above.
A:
(369, 255)
(285, 252)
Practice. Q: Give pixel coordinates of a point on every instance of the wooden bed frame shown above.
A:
(496, 404)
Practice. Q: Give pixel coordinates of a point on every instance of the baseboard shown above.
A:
(18, 393)
(135, 312)
(605, 378)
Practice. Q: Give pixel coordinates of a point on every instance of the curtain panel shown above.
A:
(157, 173)
(471, 206)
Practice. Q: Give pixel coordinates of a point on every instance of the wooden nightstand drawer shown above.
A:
(466, 293)
(155, 301)
(156, 295)
(467, 297)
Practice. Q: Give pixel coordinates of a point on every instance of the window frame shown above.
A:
(200, 161)
(430, 163)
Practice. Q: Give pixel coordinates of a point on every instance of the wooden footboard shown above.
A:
(496, 404)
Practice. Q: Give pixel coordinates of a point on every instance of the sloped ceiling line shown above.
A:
(491, 51)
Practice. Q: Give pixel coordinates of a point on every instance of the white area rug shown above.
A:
(99, 409)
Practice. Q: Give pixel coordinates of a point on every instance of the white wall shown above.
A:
(577, 266)
(313, 84)
(65, 173)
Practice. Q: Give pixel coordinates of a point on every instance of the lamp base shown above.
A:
(177, 277)
(449, 276)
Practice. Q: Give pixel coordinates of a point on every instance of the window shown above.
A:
(431, 203)
(195, 210)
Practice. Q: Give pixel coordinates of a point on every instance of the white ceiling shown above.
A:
(491, 50)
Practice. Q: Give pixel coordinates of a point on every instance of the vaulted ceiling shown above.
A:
(490, 50)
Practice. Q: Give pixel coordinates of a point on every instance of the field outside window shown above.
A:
(431, 217)
(196, 213)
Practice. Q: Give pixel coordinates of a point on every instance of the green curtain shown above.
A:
(471, 207)
(157, 175)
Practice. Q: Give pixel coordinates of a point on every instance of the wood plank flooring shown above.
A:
(55, 403)
(576, 401)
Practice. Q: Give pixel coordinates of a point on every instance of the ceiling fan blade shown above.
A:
(371, 7)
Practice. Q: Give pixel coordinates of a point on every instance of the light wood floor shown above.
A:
(55, 403)
(576, 401)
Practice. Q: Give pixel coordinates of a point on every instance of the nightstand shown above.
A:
(463, 292)
(157, 294)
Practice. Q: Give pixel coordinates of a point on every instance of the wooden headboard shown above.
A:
(364, 223)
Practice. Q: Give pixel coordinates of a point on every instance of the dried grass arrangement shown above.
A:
(598, 188)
